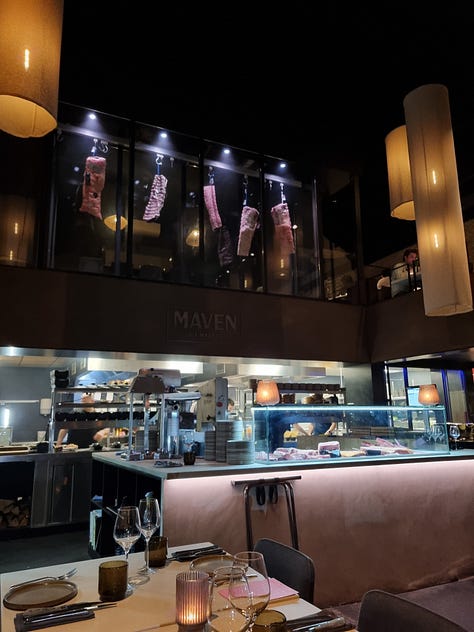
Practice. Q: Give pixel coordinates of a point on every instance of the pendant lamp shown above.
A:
(111, 221)
(30, 50)
(428, 395)
(267, 393)
(439, 221)
(192, 238)
(399, 175)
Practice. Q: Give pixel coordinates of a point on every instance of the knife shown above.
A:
(191, 551)
(331, 624)
(32, 613)
(47, 620)
(193, 556)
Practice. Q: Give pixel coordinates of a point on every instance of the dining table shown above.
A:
(150, 606)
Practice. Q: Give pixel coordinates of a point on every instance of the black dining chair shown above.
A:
(290, 566)
(382, 611)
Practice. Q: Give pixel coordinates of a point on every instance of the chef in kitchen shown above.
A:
(82, 437)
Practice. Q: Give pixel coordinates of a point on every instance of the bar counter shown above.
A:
(381, 522)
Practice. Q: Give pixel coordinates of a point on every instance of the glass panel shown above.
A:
(457, 397)
(339, 243)
(17, 227)
(290, 232)
(396, 381)
(24, 194)
(166, 242)
(297, 432)
(232, 210)
(200, 212)
(91, 193)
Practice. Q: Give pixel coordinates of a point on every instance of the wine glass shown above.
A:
(127, 528)
(249, 592)
(454, 433)
(223, 616)
(150, 518)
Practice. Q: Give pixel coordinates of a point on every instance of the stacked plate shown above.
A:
(152, 440)
(226, 431)
(240, 452)
(210, 445)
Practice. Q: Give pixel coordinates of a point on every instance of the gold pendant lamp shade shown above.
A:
(399, 175)
(439, 221)
(30, 52)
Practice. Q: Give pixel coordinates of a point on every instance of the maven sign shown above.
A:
(190, 324)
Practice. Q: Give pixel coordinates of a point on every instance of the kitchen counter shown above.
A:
(204, 468)
(353, 516)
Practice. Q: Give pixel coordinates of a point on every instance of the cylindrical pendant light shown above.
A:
(399, 175)
(439, 222)
(30, 50)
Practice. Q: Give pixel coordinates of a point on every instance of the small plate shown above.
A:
(209, 563)
(39, 594)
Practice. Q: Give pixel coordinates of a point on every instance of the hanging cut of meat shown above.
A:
(248, 224)
(211, 205)
(157, 198)
(92, 185)
(283, 232)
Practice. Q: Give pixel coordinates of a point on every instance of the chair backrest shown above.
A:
(290, 566)
(380, 610)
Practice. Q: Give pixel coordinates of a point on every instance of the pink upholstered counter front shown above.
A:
(396, 525)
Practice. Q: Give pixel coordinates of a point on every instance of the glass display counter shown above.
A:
(301, 433)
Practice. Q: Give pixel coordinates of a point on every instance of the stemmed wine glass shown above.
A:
(127, 530)
(223, 616)
(127, 527)
(249, 592)
(454, 433)
(150, 518)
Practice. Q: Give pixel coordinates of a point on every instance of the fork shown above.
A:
(65, 575)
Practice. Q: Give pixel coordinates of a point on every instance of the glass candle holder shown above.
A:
(192, 599)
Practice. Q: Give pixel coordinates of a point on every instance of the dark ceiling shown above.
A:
(292, 81)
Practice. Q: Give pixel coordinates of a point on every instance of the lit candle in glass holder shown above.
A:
(192, 600)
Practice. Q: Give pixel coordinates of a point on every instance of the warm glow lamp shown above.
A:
(192, 238)
(439, 221)
(111, 222)
(267, 393)
(30, 50)
(428, 395)
(399, 175)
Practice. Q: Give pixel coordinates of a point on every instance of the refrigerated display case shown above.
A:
(302, 433)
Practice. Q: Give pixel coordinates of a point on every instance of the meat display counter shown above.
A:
(315, 433)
